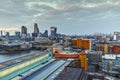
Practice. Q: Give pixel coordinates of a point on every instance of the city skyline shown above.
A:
(70, 17)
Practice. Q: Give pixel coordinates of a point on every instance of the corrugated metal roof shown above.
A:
(20, 59)
(70, 74)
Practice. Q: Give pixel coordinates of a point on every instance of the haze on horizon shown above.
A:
(69, 16)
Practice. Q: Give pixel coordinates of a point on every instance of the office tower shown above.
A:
(23, 30)
(45, 34)
(36, 29)
(34, 34)
(17, 34)
(53, 32)
(7, 35)
(1, 33)
(116, 36)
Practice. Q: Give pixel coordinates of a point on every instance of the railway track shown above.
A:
(52, 75)
(48, 71)
(22, 75)
(41, 73)
(38, 71)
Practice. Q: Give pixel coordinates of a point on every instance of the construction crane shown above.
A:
(82, 57)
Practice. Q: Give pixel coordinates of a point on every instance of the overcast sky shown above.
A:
(69, 16)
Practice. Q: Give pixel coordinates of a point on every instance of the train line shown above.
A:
(37, 72)
(26, 73)
(43, 72)
(48, 71)
(57, 71)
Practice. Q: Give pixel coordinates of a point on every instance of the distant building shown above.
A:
(45, 34)
(53, 32)
(7, 35)
(36, 29)
(17, 34)
(116, 36)
(23, 30)
(34, 34)
(84, 44)
(110, 64)
(1, 33)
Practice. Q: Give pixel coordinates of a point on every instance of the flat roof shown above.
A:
(70, 74)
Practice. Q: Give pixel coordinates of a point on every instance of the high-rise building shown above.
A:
(53, 32)
(36, 29)
(17, 34)
(23, 30)
(1, 33)
(116, 36)
(7, 35)
(45, 34)
(34, 34)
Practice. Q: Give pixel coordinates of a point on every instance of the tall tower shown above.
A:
(53, 32)
(7, 35)
(1, 33)
(36, 29)
(23, 30)
(45, 34)
(17, 34)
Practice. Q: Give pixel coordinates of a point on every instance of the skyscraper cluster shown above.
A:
(36, 32)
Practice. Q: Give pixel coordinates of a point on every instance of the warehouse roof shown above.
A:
(70, 74)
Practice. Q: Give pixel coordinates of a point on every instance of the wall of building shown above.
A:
(82, 43)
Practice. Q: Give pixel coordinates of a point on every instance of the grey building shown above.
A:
(111, 64)
(7, 35)
(36, 29)
(53, 32)
(23, 30)
(45, 34)
(17, 34)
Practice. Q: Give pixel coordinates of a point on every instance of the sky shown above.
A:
(69, 16)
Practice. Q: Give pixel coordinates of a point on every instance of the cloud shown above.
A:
(47, 12)
(77, 10)
(73, 9)
(8, 29)
(32, 5)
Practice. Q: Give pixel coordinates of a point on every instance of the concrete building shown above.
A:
(7, 35)
(116, 36)
(53, 32)
(36, 29)
(111, 64)
(1, 33)
(23, 30)
(17, 34)
(45, 34)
